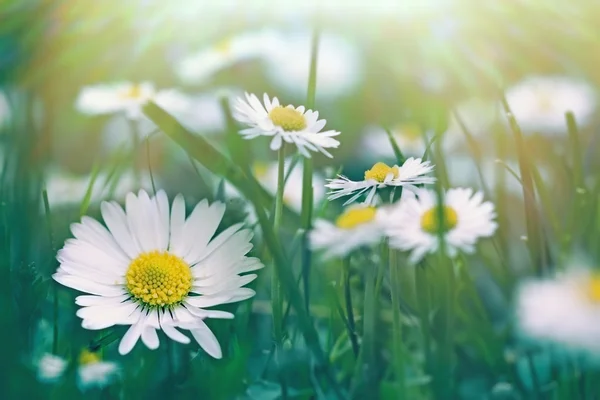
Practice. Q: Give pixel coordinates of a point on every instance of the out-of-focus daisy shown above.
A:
(125, 97)
(50, 368)
(408, 137)
(292, 194)
(359, 225)
(154, 269)
(381, 175)
(200, 67)
(413, 223)
(92, 372)
(339, 64)
(539, 103)
(4, 109)
(564, 310)
(289, 124)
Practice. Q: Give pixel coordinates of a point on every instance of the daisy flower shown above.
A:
(290, 124)
(539, 103)
(413, 223)
(93, 372)
(564, 310)
(153, 269)
(50, 368)
(409, 138)
(379, 176)
(124, 97)
(357, 226)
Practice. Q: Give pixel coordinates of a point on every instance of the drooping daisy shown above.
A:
(564, 310)
(409, 138)
(294, 125)
(50, 368)
(358, 226)
(154, 269)
(381, 175)
(93, 372)
(413, 223)
(539, 103)
(124, 97)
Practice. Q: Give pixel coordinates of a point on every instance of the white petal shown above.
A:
(177, 222)
(116, 220)
(130, 338)
(207, 340)
(150, 337)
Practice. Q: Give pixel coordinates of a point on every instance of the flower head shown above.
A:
(294, 125)
(50, 368)
(154, 269)
(93, 372)
(381, 175)
(357, 226)
(125, 97)
(414, 223)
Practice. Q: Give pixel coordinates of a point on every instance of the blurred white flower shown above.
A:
(539, 103)
(200, 67)
(92, 372)
(409, 138)
(339, 64)
(4, 109)
(564, 310)
(124, 97)
(358, 226)
(294, 125)
(413, 223)
(50, 368)
(410, 174)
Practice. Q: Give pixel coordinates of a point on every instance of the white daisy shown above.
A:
(124, 97)
(539, 103)
(93, 372)
(358, 226)
(339, 64)
(200, 67)
(564, 310)
(50, 368)
(380, 176)
(408, 137)
(294, 125)
(413, 223)
(154, 269)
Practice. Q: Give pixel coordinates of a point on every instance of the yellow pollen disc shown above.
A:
(260, 169)
(287, 118)
(88, 357)
(380, 170)
(133, 92)
(430, 221)
(593, 288)
(159, 279)
(355, 216)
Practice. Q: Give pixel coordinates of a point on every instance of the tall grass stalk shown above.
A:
(54, 284)
(395, 288)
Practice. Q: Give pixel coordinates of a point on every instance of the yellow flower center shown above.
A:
(133, 92)
(159, 279)
(223, 46)
(260, 169)
(287, 118)
(88, 357)
(430, 220)
(355, 216)
(380, 170)
(593, 288)
(412, 132)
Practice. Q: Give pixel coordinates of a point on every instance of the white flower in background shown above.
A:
(358, 226)
(564, 310)
(93, 372)
(156, 270)
(413, 224)
(294, 125)
(4, 109)
(381, 175)
(539, 103)
(408, 137)
(339, 64)
(199, 68)
(292, 194)
(50, 368)
(124, 97)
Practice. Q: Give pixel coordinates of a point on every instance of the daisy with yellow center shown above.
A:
(381, 175)
(562, 310)
(124, 97)
(293, 125)
(357, 226)
(153, 269)
(414, 223)
(93, 372)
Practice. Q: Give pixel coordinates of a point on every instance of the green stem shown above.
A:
(395, 285)
(276, 295)
(349, 311)
(150, 164)
(54, 284)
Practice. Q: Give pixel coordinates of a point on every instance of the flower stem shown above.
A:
(397, 323)
(349, 311)
(54, 284)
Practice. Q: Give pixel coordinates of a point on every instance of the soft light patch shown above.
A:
(87, 357)
(380, 171)
(159, 279)
(430, 220)
(593, 288)
(287, 118)
(412, 132)
(355, 216)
